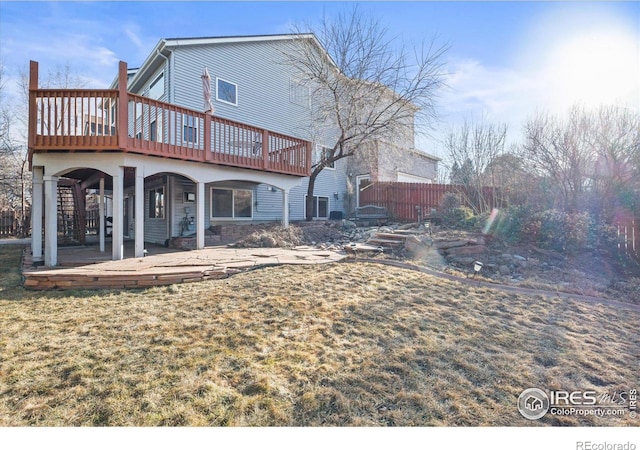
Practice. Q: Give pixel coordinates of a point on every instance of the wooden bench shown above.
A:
(371, 214)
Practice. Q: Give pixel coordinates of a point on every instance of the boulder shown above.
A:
(414, 245)
(444, 245)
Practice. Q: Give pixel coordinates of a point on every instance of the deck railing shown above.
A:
(116, 120)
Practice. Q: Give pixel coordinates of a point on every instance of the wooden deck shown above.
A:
(114, 120)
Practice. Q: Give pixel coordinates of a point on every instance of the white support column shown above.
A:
(50, 221)
(285, 208)
(200, 199)
(101, 214)
(117, 242)
(139, 212)
(36, 215)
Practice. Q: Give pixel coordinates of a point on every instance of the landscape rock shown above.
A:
(467, 251)
(414, 245)
(445, 245)
(463, 260)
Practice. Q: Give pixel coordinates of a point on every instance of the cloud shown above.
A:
(132, 31)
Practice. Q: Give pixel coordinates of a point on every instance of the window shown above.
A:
(156, 203)
(298, 93)
(156, 90)
(321, 153)
(155, 130)
(320, 207)
(226, 92)
(189, 129)
(231, 203)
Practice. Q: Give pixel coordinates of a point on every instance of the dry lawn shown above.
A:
(342, 345)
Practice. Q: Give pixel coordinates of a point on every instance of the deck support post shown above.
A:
(285, 208)
(101, 214)
(50, 221)
(117, 241)
(139, 213)
(200, 199)
(36, 216)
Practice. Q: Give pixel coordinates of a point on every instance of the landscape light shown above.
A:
(477, 267)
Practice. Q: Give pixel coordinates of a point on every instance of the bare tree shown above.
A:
(472, 149)
(366, 88)
(591, 158)
(15, 177)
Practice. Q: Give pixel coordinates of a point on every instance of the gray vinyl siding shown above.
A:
(263, 100)
(262, 79)
(155, 230)
(263, 96)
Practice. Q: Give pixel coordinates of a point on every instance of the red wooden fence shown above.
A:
(411, 201)
(629, 237)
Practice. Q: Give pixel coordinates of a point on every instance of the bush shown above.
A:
(510, 222)
(453, 214)
(566, 232)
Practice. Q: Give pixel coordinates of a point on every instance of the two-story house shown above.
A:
(172, 167)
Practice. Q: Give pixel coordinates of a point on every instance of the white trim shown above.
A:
(218, 90)
(318, 197)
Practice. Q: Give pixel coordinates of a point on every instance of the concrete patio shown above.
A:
(85, 267)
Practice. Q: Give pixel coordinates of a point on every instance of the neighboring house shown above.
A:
(389, 162)
(174, 170)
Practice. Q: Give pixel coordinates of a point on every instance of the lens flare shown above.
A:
(490, 220)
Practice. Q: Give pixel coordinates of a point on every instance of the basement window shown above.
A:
(231, 203)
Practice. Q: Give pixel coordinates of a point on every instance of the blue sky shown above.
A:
(507, 59)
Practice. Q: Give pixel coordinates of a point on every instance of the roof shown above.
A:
(424, 154)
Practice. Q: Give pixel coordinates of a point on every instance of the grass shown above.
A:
(339, 345)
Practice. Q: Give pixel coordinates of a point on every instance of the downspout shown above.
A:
(168, 66)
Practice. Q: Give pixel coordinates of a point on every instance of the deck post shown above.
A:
(139, 212)
(200, 198)
(50, 221)
(117, 242)
(101, 214)
(123, 106)
(285, 208)
(208, 151)
(36, 215)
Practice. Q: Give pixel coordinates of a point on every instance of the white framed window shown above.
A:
(320, 207)
(156, 89)
(321, 153)
(299, 94)
(229, 203)
(226, 92)
(156, 203)
(189, 129)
